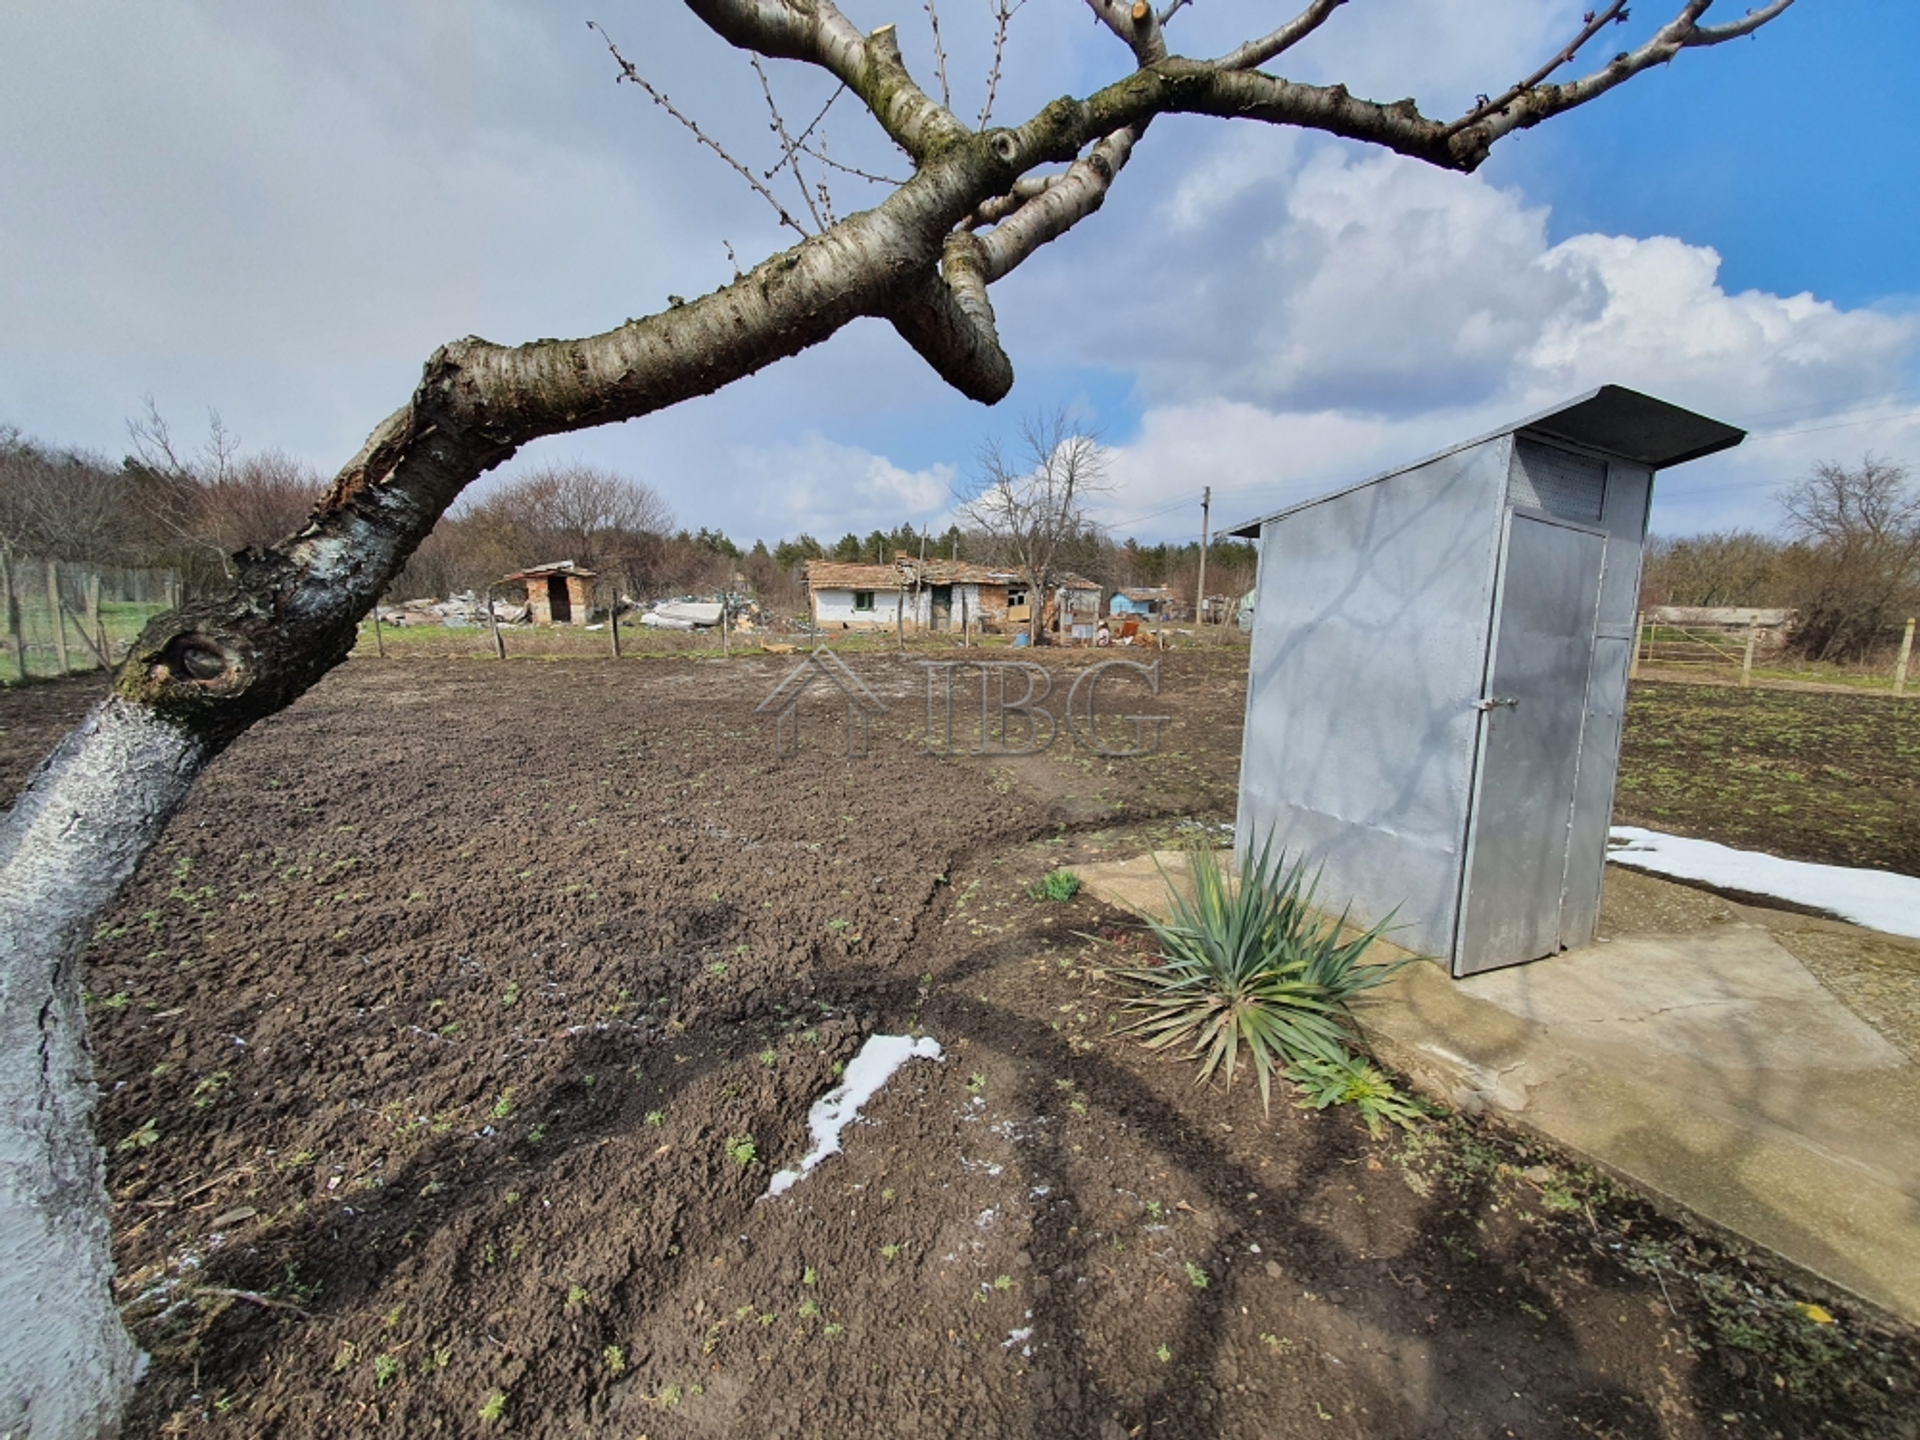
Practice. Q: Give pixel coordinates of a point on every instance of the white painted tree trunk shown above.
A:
(94, 807)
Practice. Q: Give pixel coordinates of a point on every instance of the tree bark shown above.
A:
(91, 811)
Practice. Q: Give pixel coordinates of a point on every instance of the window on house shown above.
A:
(1016, 595)
(863, 599)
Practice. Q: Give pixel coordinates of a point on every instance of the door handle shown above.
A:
(1483, 706)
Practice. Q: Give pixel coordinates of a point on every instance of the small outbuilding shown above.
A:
(1439, 673)
(557, 594)
(1149, 602)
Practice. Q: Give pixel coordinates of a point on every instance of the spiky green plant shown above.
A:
(1352, 1081)
(1251, 966)
(1056, 885)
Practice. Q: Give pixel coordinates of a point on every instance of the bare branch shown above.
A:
(814, 31)
(1003, 13)
(628, 72)
(1258, 52)
(1734, 29)
(1595, 24)
(1136, 25)
(999, 207)
(822, 156)
(812, 125)
(1060, 205)
(939, 55)
(949, 322)
(779, 128)
(1535, 105)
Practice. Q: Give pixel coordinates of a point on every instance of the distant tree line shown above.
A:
(165, 506)
(1848, 564)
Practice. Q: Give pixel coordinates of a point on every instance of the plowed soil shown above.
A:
(449, 1042)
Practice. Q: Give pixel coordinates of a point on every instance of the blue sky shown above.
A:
(279, 213)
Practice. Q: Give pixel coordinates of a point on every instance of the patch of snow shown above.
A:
(1872, 898)
(840, 1106)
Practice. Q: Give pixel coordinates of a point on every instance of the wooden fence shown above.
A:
(62, 617)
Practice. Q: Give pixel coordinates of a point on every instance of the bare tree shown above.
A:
(60, 504)
(1725, 567)
(1855, 574)
(1031, 506)
(978, 202)
(219, 501)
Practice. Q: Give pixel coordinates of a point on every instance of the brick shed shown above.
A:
(557, 594)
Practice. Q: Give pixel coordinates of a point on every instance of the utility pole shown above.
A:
(1200, 601)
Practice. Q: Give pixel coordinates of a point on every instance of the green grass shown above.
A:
(123, 619)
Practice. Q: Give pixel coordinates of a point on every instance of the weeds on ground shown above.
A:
(1250, 966)
(1057, 885)
(1354, 1081)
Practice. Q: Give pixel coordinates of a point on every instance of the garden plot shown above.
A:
(446, 1057)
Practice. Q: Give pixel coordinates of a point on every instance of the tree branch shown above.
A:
(1530, 108)
(948, 320)
(939, 54)
(787, 145)
(1136, 26)
(1595, 24)
(816, 32)
(628, 72)
(1003, 13)
(1258, 52)
(1063, 203)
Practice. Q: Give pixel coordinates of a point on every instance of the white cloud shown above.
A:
(827, 489)
(1319, 323)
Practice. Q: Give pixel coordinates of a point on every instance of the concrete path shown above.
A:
(1711, 1068)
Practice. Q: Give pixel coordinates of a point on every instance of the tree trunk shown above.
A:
(92, 809)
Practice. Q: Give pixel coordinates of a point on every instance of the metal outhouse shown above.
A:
(1439, 673)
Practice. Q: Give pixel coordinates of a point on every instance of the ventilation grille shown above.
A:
(1573, 487)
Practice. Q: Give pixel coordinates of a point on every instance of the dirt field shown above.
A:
(1827, 777)
(450, 1041)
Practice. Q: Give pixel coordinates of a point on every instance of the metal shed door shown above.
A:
(1533, 712)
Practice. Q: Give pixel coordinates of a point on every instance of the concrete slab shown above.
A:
(1710, 1067)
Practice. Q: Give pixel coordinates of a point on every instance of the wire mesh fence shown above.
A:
(62, 616)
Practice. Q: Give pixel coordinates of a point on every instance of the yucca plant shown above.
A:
(1251, 966)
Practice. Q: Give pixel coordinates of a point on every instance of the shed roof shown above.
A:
(1613, 420)
(541, 572)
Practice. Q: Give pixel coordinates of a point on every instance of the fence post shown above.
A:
(379, 640)
(1900, 665)
(59, 622)
(1639, 632)
(16, 648)
(613, 620)
(493, 624)
(1746, 660)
